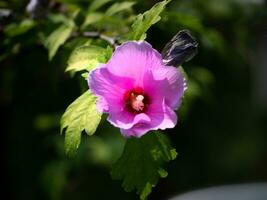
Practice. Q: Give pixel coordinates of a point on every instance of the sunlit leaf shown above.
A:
(117, 7)
(145, 20)
(80, 115)
(141, 164)
(57, 38)
(85, 75)
(87, 58)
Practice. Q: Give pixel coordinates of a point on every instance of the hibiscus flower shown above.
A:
(137, 91)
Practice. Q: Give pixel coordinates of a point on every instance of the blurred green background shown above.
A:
(221, 136)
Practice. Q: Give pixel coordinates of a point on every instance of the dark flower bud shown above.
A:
(181, 48)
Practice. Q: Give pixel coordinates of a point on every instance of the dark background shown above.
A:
(221, 137)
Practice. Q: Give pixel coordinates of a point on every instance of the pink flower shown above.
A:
(137, 91)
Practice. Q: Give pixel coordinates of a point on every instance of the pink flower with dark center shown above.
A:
(137, 90)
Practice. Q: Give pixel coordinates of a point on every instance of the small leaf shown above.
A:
(80, 115)
(145, 20)
(57, 38)
(85, 75)
(141, 164)
(87, 58)
(96, 4)
(117, 7)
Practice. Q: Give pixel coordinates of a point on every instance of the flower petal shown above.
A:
(161, 117)
(102, 105)
(133, 59)
(166, 82)
(126, 120)
(109, 88)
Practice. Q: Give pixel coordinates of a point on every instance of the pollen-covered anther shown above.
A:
(137, 103)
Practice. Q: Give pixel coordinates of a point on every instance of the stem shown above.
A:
(94, 34)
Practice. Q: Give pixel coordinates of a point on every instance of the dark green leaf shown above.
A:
(145, 20)
(80, 115)
(141, 164)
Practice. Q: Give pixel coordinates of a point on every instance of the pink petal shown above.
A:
(102, 105)
(137, 131)
(161, 117)
(126, 120)
(166, 82)
(109, 88)
(133, 59)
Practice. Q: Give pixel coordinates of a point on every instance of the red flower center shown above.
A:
(136, 101)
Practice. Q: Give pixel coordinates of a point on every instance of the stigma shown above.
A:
(136, 101)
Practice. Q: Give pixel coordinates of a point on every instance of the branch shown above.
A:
(94, 34)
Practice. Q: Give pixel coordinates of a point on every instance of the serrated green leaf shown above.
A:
(96, 4)
(141, 164)
(57, 38)
(80, 115)
(117, 7)
(87, 58)
(144, 21)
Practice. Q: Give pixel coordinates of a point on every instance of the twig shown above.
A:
(94, 34)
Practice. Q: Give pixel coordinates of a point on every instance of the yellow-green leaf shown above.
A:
(117, 7)
(80, 115)
(144, 21)
(86, 58)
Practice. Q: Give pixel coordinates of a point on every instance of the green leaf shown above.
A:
(145, 20)
(80, 115)
(141, 164)
(57, 18)
(96, 4)
(87, 58)
(117, 7)
(57, 38)
(92, 18)
(85, 75)
(24, 26)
